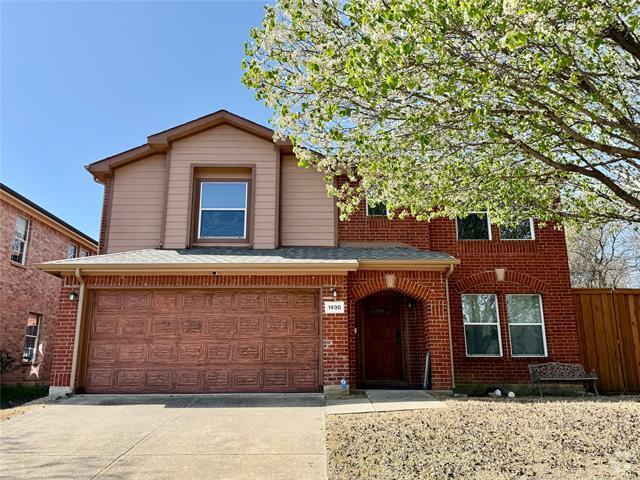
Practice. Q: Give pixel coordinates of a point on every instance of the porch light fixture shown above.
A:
(334, 292)
(73, 296)
(411, 304)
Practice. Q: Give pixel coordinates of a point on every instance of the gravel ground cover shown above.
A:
(490, 439)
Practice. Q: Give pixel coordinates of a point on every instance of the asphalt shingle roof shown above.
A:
(284, 255)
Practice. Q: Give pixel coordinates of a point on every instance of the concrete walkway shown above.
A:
(383, 401)
(168, 437)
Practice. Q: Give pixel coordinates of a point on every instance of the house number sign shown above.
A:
(334, 307)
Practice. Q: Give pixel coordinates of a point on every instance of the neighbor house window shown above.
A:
(526, 326)
(223, 210)
(521, 231)
(475, 226)
(376, 209)
(19, 247)
(72, 251)
(481, 325)
(31, 338)
(84, 252)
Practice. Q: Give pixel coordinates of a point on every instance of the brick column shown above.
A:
(437, 328)
(62, 357)
(335, 338)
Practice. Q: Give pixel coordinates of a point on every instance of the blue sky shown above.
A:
(81, 81)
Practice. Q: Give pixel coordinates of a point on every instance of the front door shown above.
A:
(382, 339)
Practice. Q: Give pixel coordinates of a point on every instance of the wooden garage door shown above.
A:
(203, 341)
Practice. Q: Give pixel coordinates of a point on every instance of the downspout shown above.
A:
(446, 278)
(76, 339)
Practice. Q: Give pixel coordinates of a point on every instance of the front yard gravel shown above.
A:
(490, 439)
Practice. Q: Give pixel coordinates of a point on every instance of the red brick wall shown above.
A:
(538, 266)
(428, 288)
(28, 290)
(335, 351)
(361, 229)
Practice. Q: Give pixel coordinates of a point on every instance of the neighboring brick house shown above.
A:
(223, 267)
(29, 297)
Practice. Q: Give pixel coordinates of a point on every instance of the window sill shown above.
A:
(16, 264)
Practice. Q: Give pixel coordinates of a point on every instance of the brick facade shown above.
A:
(537, 266)
(28, 290)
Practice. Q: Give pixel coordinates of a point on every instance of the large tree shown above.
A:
(443, 107)
(604, 256)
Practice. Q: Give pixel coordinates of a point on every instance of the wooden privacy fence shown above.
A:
(609, 330)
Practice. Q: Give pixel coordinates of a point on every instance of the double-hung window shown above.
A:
(481, 325)
(72, 250)
(475, 226)
(521, 231)
(222, 211)
(84, 252)
(376, 209)
(31, 338)
(526, 325)
(19, 246)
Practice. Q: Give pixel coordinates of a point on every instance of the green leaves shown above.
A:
(443, 106)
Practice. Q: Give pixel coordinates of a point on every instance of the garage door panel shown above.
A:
(164, 301)
(104, 325)
(134, 326)
(190, 353)
(192, 325)
(164, 325)
(184, 341)
(134, 352)
(136, 302)
(222, 326)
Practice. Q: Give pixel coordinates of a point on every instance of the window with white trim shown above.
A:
(72, 250)
(31, 338)
(376, 209)
(526, 325)
(475, 226)
(223, 210)
(521, 231)
(481, 325)
(20, 236)
(84, 252)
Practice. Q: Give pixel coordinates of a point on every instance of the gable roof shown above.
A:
(61, 223)
(159, 142)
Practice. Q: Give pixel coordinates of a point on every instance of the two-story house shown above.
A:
(29, 235)
(224, 267)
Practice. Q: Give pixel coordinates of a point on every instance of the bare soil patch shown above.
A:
(490, 439)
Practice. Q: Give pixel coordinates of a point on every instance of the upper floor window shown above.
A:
(526, 325)
(521, 231)
(481, 325)
(19, 247)
(31, 338)
(84, 252)
(475, 226)
(222, 210)
(72, 250)
(376, 209)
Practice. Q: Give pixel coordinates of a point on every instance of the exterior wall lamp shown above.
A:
(73, 296)
(334, 292)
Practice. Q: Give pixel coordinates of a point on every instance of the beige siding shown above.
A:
(223, 145)
(136, 208)
(307, 213)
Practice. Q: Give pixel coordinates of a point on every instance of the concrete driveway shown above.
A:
(173, 437)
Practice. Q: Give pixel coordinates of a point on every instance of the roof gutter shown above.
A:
(446, 286)
(76, 337)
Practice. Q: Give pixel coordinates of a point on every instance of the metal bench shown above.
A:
(561, 372)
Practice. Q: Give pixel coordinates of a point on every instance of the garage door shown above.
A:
(203, 341)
